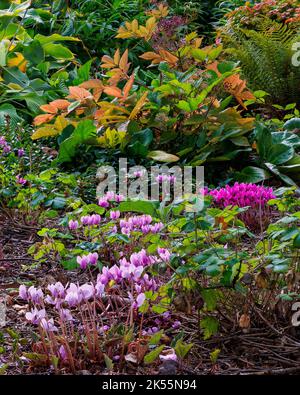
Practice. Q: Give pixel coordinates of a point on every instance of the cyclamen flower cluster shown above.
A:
(129, 273)
(241, 195)
(90, 259)
(110, 197)
(140, 223)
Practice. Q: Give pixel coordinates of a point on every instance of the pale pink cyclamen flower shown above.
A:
(82, 261)
(73, 225)
(164, 254)
(35, 316)
(48, 325)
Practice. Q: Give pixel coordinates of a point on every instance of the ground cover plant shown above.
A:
(95, 282)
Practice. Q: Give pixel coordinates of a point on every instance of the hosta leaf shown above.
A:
(162, 156)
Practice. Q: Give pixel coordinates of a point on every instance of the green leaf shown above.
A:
(155, 339)
(182, 349)
(210, 297)
(252, 174)
(58, 51)
(292, 124)
(34, 52)
(139, 206)
(280, 153)
(70, 264)
(84, 132)
(162, 156)
(54, 38)
(151, 356)
(108, 362)
(296, 243)
(210, 325)
(9, 113)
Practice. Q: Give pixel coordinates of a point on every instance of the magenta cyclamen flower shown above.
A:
(103, 202)
(243, 195)
(20, 180)
(114, 214)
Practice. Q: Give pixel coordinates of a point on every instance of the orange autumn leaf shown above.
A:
(96, 86)
(113, 91)
(124, 60)
(161, 56)
(237, 87)
(49, 108)
(128, 87)
(60, 104)
(78, 93)
(40, 119)
(138, 106)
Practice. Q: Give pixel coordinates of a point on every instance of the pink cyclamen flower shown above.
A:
(35, 295)
(95, 219)
(73, 225)
(23, 292)
(85, 219)
(140, 299)
(83, 261)
(93, 258)
(48, 325)
(168, 355)
(114, 214)
(35, 316)
(103, 202)
(164, 254)
(20, 180)
(63, 353)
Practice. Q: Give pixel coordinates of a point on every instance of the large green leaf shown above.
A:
(58, 51)
(8, 113)
(139, 206)
(280, 153)
(34, 52)
(292, 124)
(252, 174)
(84, 132)
(162, 156)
